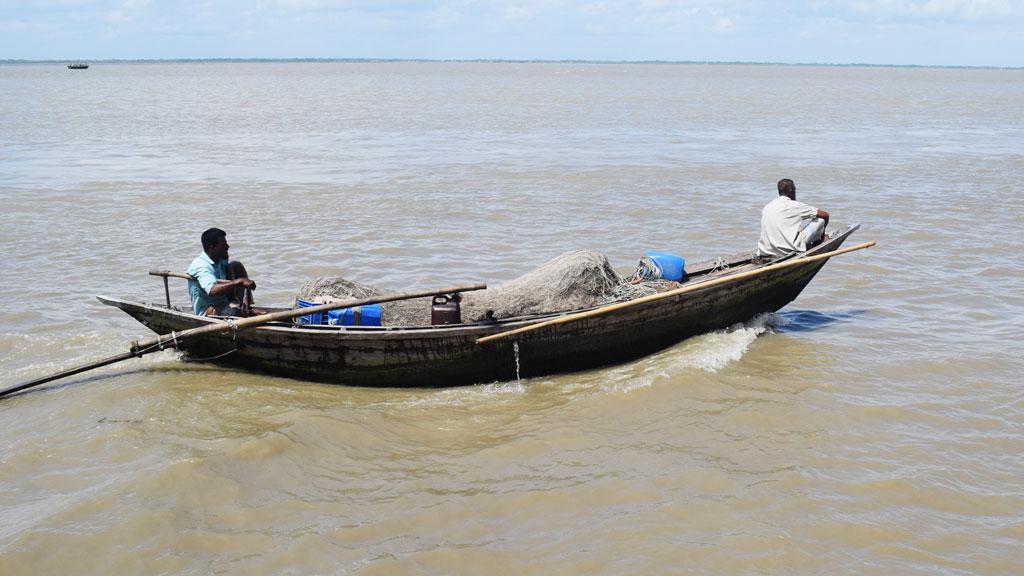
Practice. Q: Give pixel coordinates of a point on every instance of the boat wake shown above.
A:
(714, 351)
(709, 353)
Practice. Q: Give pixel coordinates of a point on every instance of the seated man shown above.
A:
(788, 226)
(219, 287)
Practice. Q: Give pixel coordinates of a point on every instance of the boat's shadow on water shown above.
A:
(794, 321)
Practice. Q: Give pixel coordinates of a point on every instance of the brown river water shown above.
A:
(873, 426)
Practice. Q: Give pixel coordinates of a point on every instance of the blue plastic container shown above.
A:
(366, 315)
(315, 318)
(672, 266)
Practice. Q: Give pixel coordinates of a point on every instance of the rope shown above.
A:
(138, 353)
(188, 359)
(161, 343)
(646, 269)
(234, 329)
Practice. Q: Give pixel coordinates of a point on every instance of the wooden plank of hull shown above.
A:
(449, 356)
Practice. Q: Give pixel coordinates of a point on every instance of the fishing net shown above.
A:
(571, 281)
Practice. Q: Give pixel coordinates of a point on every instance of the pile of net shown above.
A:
(572, 281)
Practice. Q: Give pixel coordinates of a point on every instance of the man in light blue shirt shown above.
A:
(219, 287)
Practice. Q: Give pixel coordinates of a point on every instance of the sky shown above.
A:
(900, 32)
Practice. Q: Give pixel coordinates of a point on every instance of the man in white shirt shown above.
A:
(788, 226)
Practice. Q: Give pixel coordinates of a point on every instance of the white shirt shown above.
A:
(782, 220)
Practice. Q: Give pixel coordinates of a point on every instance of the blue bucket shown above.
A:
(314, 318)
(673, 267)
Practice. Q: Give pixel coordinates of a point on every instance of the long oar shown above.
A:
(141, 348)
(669, 294)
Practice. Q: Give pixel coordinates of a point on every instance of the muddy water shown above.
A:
(872, 426)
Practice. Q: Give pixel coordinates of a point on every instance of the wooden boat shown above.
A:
(78, 66)
(450, 355)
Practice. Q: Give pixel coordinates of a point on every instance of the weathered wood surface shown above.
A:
(449, 355)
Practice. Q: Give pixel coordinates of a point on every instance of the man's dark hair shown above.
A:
(786, 187)
(211, 236)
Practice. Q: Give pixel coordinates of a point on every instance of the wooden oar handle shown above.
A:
(166, 273)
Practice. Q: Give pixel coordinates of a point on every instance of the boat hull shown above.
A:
(450, 356)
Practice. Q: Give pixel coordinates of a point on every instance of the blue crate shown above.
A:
(314, 318)
(365, 315)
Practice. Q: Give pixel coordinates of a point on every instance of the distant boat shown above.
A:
(78, 66)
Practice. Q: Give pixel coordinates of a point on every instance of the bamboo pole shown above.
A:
(683, 290)
(141, 348)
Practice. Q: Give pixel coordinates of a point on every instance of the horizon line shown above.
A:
(496, 61)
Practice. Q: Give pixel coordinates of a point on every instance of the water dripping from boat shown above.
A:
(515, 348)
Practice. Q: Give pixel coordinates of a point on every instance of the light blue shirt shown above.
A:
(206, 272)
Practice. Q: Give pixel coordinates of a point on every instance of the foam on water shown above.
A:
(707, 353)
(716, 350)
(497, 392)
